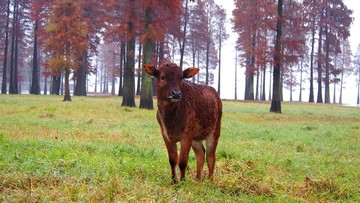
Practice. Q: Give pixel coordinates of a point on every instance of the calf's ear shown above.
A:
(150, 69)
(190, 72)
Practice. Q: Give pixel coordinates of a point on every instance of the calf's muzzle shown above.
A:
(175, 96)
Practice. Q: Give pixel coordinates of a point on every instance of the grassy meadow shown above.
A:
(94, 150)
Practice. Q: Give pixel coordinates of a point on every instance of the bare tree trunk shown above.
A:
(56, 83)
(358, 97)
(291, 84)
(334, 96)
(235, 95)
(182, 44)
(67, 96)
(276, 99)
(80, 87)
(263, 94)
(319, 68)
(193, 58)
(207, 62)
(257, 84)
(138, 90)
(96, 74)
(122, 65)
(327, 66)
(129, 83)
(105, 78)
(45, 85)
(249, 87)
(219, 76)
(270, 82)
(13, 64)
(113, 76)
(16, 67)
(146, 99)
(301, 80)
(311, 96)
(341, 88)
(4, 76)
(35, 82)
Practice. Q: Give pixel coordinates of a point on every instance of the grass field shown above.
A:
(92, 150)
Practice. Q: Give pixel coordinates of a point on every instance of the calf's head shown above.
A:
(169, 77)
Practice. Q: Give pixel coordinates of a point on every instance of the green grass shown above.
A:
(92, 149)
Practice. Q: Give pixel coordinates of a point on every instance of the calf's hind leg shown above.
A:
(199, 150)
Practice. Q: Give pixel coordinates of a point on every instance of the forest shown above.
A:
(65, 46)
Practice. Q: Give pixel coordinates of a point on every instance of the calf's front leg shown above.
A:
(173, 156)
(183, 158)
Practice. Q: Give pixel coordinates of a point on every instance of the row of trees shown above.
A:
(57, 40)
(314, 39)
(63, 36)
(357, 72)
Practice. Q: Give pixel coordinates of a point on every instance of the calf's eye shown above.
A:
(163, 77)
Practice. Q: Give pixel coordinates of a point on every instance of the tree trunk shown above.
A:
(193, 58)
(16, 56)
(334, 96)
(301, 81)
(122, 65)
(257, 84)
(105, 79)
(96, 74)
(4, 75)
(207, 62)
(250, 68)
(235, 93)
(129, 82)
(276, 98)
(358, 96)
(146, 99)
(219, 76)
(263, 96)
(182, 44)
(249, 86)
(55, 87)
(319, 68)
(291, 84)
(35, 82)
(198, 65)
(311, 96)
(62, 85)
(270, 82)
(45, 85)
(113, 76)
(281, 77)
(101, 77)
(13, 73)
(67, 96)
(341, 87)
(138, 90)
(327, 66)
(161, 51)
(80, 87)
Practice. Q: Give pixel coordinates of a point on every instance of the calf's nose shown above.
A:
(176, 94)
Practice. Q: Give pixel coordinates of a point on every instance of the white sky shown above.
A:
(228, 62)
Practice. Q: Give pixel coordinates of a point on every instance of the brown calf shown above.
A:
(187, 113)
